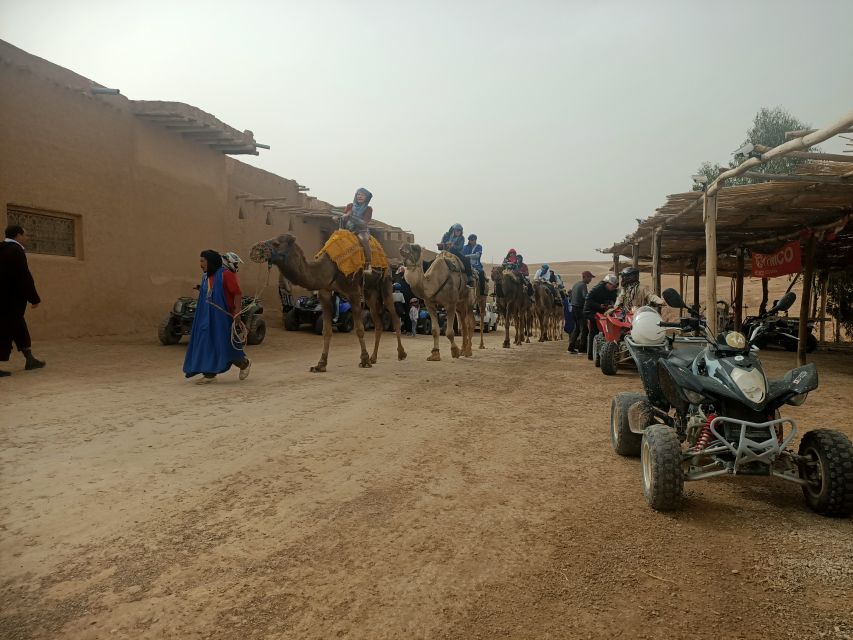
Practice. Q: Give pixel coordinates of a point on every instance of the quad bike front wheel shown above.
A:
(597, 342)
(829, 472)
(257, 330)
(625, 442)
(609, 357)
(662, 474)
(291, 320)
(166, 333)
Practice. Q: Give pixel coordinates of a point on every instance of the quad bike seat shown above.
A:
(684, 357)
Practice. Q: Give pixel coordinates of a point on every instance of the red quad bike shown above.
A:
(608, 348)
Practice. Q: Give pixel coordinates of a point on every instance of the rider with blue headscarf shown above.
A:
(454, 242)
(356, 219)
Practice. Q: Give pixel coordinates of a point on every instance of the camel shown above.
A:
(545, 310)
(324, 276)
(441, 286)
(479, 299)
(515, 303)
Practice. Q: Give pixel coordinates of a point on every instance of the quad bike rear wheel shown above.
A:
(167, 334)
(830, 472)
(624, 441)
(257, 330)
(609, 356)
(291, 320)
(346, 324)
(662, 474)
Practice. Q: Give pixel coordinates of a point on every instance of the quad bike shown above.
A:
(307, 310)
(781, 331)
(608, 348)
(709, 410)
(179, 322)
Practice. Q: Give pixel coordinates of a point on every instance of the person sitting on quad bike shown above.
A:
(632, 294)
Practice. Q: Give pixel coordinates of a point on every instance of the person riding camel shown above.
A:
(511, 260)
(356, 218)
(454, 242)
(524, 272)
(545, 274)
(473, 251)
(632, 294)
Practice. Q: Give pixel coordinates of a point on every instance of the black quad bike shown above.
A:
(179, 322)
(780, 331)
(709, 410)
(308, 311)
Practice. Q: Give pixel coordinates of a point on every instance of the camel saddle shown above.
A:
(453, 261)
(344, 249)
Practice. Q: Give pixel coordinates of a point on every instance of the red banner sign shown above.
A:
(779, 263)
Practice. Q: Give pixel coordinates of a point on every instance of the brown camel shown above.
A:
(324, 276)
(441, 286)
(480, 298)
(545, 309)
(516, 303)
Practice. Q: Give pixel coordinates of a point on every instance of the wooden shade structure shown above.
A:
(717, 227)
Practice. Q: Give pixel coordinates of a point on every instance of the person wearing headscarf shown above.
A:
(357, 217)
(211, 350)
(454, 242)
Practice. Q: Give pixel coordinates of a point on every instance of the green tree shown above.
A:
(768, 129)
(840, 299)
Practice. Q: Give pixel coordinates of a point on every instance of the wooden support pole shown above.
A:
(805, 301)
(710, 215)
(681, 287)
(616, 263)
(635, 256)
(739, 289)
(824, 281)
(765, 294)
(656, 275)
(696, 283)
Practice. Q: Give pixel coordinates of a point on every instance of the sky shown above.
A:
(546, 126)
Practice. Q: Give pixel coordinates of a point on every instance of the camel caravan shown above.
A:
(353, 264)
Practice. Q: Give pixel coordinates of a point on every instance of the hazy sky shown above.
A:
(545, 126)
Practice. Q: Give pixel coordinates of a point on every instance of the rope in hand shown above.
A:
(239, 331)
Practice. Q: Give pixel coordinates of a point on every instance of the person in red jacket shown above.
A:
(357, 217)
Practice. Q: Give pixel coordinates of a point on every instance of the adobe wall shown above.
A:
(148, 202)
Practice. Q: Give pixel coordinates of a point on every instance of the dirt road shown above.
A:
(463, 499)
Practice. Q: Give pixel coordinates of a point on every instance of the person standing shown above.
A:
(600, 298)
(17, 288)
(357, 217)
(577, 299)
(474, 253)
(414, 314)
(211, 350)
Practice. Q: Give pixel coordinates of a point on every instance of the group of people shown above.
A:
(611, 293)
(470, 253)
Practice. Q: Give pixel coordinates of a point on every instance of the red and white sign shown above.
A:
(779, 263)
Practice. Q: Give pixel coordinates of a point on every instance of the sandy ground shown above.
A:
(463, 499)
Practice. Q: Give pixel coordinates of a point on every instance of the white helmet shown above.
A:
(231, 261)
(611, 278)
(646, 329)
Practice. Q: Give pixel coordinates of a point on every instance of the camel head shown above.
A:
(411, 254)
(276, 251)
(497, 273)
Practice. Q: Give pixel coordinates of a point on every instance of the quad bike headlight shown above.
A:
(179, 307)
(751, 383)
(692, 396)
(798, 399)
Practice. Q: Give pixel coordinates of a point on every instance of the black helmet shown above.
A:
(629, 275)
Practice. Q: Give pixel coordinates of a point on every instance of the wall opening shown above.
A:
(240, 214)
(52, 233)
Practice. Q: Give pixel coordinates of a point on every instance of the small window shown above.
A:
(240, 214)
(48, 232)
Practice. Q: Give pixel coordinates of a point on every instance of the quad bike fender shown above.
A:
(795, 382)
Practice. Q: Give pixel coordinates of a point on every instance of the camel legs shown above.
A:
(376, 314)
(481, 303)
(466, 325)
(449, 334)
(435, 356)
(388, 299)
(326, 304)
(507, 315)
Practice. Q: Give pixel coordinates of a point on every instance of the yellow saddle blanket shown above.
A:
(344, 248)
